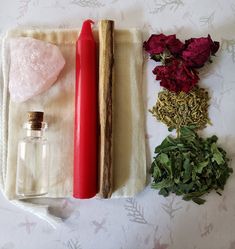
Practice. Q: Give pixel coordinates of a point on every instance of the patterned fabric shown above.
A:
(147, 221)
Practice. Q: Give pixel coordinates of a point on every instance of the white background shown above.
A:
(147, 221)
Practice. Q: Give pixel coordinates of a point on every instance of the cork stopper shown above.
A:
(35, 120)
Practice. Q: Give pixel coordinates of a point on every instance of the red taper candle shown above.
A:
(85, 127)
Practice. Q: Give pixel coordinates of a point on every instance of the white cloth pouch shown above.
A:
(129, 155)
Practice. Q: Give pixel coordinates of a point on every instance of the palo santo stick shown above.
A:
(106, 61)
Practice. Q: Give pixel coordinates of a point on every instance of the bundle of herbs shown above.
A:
(190, 166)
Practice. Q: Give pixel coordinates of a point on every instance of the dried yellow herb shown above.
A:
(182, 109)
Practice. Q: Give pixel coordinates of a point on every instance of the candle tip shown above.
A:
(86, 28)
(90, 21)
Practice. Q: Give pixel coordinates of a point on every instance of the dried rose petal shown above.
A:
(199, 50)
(176, 76)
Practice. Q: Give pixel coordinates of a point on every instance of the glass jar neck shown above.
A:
(34, 133)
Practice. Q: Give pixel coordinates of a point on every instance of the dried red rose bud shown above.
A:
(199, 50)
(176, 76)
(157, 44)
(174, 45)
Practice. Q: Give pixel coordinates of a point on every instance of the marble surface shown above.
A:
(147, 221)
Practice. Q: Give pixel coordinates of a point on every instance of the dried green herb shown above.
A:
(189, 165)
(182, 109)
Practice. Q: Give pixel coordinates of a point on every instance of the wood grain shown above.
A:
(106, 78)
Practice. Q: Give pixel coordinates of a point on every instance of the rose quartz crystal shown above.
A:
(35, 66)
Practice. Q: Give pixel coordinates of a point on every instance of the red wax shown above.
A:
(85, 129)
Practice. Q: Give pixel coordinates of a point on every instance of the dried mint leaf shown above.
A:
(189, 165)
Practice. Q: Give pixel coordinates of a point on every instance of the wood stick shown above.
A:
(106, 61)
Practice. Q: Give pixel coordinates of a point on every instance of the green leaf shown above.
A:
(217, 156)
(189, 196)
(187, 170)
(163, 192)
(163, 145)
(170, 129)
(168, 149)
(186, 188)
(187, 133)
(165, 162)
(163, 158)
(167, 143)
(198, 200)
(163, 184)
(200, 166)
(156, 172)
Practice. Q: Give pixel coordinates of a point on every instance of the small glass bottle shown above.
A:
(33, 159)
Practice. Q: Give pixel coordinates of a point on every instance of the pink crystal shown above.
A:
(35, 66)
